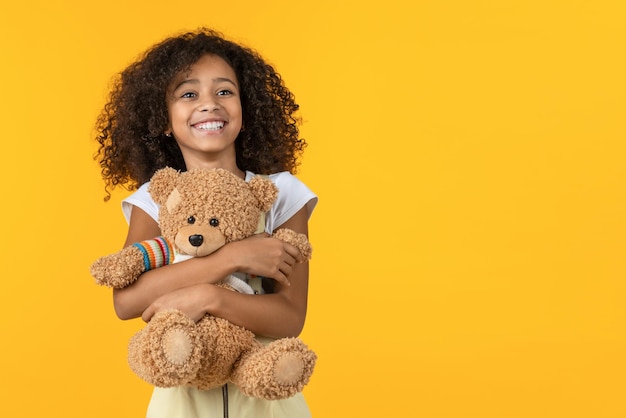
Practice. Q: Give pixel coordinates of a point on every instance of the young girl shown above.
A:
(199, 100)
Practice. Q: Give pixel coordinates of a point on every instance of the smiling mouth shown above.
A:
(210, 126)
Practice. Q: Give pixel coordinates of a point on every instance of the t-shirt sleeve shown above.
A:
(140, 198)
(293, 195)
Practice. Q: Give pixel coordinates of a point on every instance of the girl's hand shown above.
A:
(264, 256)
(190, 300)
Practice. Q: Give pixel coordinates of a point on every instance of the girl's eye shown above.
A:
(224, 92)
(188, 95)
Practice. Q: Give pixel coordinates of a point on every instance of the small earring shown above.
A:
(168, 134)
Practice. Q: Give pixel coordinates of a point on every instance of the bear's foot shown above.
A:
(177, 346)
(288, 369)
(276, 371)
(167, 352)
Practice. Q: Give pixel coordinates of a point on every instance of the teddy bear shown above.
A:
(200, 211)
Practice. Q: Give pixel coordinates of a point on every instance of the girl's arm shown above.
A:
(259, 255)
(279, 314)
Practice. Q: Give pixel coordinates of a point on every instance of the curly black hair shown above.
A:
(130, 128)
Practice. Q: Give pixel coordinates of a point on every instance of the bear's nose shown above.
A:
(196, 240)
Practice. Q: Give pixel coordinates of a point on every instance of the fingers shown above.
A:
(282, 276)
(289, 260)
(282, 280)
(148, 313)
(294, 252)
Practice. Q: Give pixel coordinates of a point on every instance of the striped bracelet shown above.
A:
(157, 252)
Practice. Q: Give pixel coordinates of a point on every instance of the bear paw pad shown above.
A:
(177, 346)
(289, 369)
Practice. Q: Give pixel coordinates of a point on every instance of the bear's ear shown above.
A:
(162, 184)
(265, 191)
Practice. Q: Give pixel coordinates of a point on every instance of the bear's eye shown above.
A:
(214, 222)
(191, 220)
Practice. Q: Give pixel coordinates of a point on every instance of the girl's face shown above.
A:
(205, 113)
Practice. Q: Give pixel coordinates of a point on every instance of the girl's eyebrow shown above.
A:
(196, 81)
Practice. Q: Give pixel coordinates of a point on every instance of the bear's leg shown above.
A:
(276, 371)
(167, 351)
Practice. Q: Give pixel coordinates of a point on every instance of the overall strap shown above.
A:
(261, 225)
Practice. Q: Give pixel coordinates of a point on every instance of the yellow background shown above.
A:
(470, 237)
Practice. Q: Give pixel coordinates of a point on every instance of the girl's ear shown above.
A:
(162, 184)
(167, 131)
(265, 192)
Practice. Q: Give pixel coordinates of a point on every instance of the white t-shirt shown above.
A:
(292, 196)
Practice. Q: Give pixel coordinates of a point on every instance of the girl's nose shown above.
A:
(208, 105)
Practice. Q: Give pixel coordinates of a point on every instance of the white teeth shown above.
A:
(210, 126)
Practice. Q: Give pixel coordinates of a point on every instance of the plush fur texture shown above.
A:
(201, 210)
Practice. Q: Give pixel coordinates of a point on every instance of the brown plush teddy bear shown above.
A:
(200, 211)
